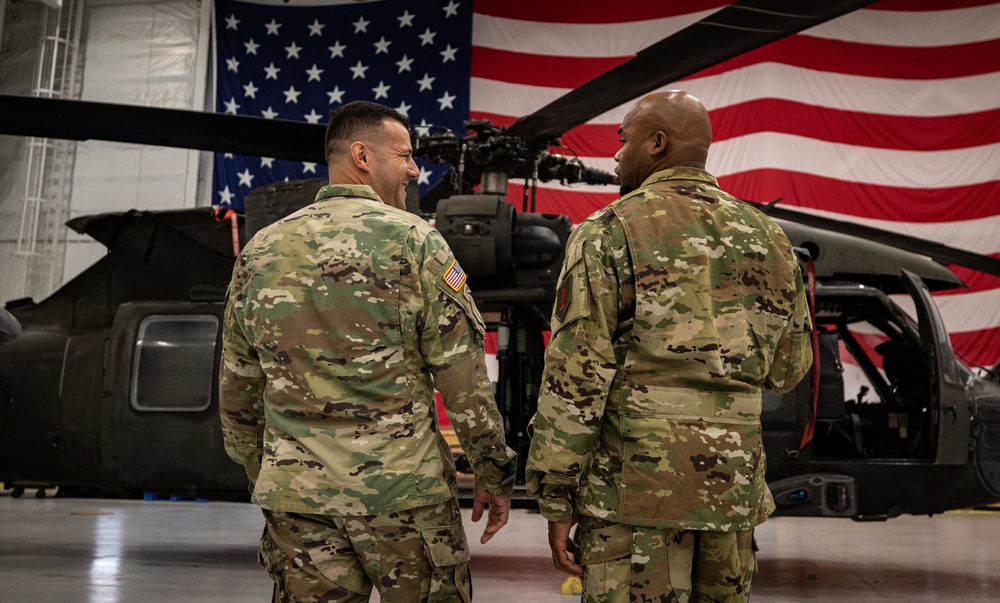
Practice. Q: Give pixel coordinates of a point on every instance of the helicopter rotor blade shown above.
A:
(238, 134)
(727, 33)
(938, 252)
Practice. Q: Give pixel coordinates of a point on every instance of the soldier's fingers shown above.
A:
(573, 548)
(495, 521)
(564, 563)
(477, 509)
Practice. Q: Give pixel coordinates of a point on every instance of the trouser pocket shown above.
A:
(447, 549)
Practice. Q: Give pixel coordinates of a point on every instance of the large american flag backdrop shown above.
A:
(888, 116)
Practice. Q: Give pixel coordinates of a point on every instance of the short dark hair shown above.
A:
(358, 120)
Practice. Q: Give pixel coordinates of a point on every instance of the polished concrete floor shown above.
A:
(111, 551)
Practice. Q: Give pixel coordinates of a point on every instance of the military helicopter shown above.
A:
(112, 383)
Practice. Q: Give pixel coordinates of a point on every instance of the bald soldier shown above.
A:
(341, 321)
(677, 304)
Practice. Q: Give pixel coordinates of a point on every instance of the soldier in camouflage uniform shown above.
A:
(341, 321)
(676, 306)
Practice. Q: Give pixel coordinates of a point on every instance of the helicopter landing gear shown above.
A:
(18, 492)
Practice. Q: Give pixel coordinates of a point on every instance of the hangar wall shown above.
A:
(152, 53)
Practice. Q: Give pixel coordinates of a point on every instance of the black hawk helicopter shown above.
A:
(112, 383)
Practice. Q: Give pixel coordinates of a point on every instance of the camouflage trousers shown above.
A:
(416, 555)
(624, 563)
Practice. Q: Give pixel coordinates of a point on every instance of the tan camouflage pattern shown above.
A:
(411, 556)
(623, 563)
(683, 303)
(337, 330)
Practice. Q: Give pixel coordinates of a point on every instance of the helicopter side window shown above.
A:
(174, 358)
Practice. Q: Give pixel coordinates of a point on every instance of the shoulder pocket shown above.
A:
(449, 277)
(571, 302)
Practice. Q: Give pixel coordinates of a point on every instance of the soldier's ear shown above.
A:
(658, 143)
(361, 156)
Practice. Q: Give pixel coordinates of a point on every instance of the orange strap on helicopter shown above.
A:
(807, 433)
(220, 214)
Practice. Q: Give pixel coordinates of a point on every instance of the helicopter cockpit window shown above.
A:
(174, 355)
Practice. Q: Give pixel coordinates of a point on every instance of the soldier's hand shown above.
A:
(564, 549)
(499, 511)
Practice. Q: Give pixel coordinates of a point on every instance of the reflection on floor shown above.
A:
(112, 551)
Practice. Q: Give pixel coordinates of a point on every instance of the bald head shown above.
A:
(662, 130)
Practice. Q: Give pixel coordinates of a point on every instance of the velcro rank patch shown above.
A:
(454, 276)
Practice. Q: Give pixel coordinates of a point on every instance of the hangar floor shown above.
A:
(110, 551)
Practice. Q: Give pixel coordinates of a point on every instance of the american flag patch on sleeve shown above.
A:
(454, 276)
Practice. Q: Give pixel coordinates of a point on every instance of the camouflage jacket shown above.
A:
(341, 321)
(676, 305)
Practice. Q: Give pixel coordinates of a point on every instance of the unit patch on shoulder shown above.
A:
(454, 276)
(563, 297)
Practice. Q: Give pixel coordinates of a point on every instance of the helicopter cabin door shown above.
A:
(161, 429)
(949, 397)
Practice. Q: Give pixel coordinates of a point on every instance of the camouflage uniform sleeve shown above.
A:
(451, 341)
(793, 354)
(241, 385)
(580, 366)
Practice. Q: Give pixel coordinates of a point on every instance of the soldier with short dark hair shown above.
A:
(341, 321)
(677, 304)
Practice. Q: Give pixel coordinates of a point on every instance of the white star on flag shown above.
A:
(246, 178)
(425, 176)
(316, 29)
(427, 37)
(381, 91)
(313, 73)
(336, 95)
(425, 82)
(382, 46)
(226, 195)
(446, 100)
(359, 71)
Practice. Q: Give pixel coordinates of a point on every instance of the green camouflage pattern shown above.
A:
(339, 325)
(417, 555)
(677, 304)
(623, 563)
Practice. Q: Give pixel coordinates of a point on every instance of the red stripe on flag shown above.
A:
(866, 200)
(980, 347)
(537, 70)
(977, 281)
(871, 60)
(831, 125)
(927, 5)
(591, 11)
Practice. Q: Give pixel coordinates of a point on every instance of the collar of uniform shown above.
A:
(681, 173)
(347, 190)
